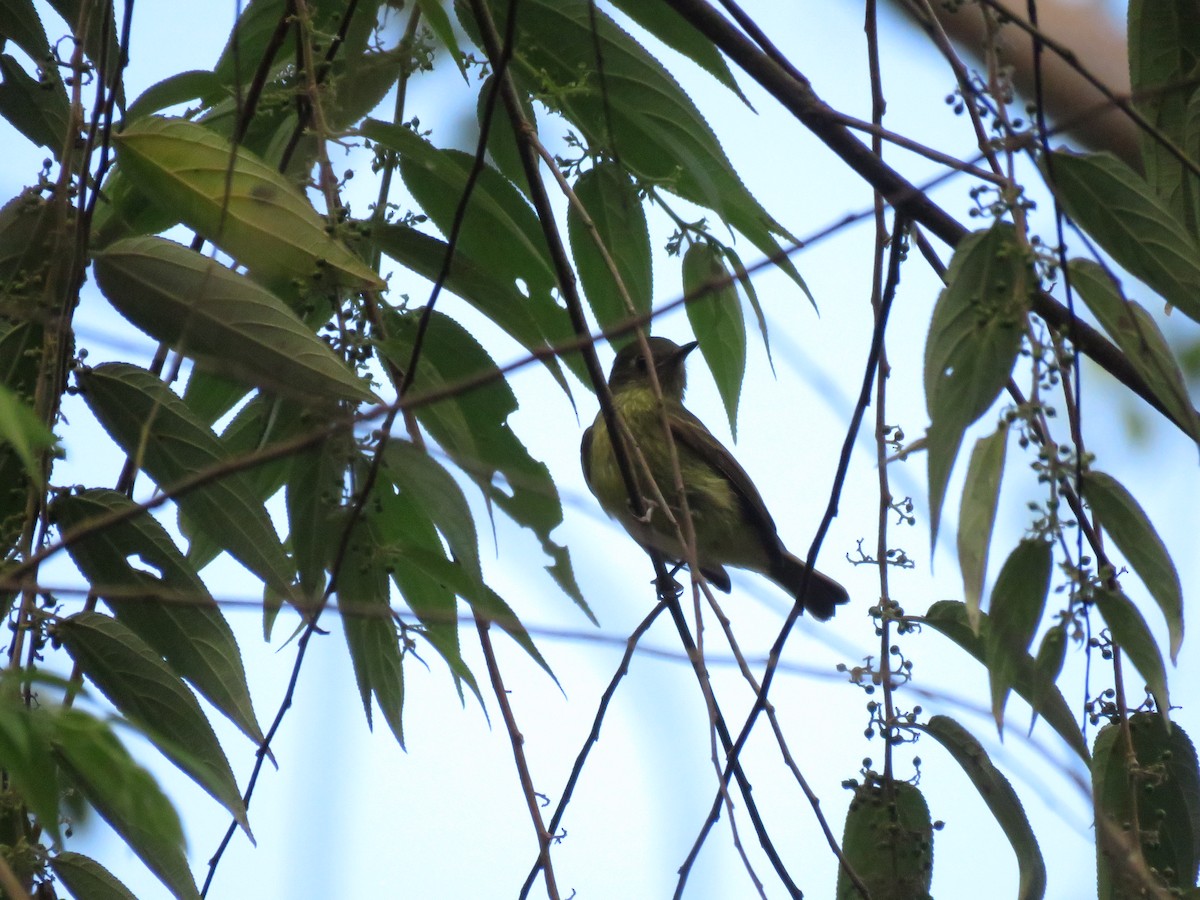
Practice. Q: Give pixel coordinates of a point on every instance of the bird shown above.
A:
(731, 522)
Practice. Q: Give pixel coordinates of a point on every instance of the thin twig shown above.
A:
(831, 510)
(593, 736)
(518, 741)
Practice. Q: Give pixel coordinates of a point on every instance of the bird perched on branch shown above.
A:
(731, 522)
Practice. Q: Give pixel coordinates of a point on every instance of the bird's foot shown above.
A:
(668, 586)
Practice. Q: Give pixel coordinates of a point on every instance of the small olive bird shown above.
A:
(731, 522)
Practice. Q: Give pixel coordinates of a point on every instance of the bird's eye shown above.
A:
(641, 363)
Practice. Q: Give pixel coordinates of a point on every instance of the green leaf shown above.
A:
(1129, 527)
(472, 427)
(263, 421)
(20, 359)
(1164, 50)
(123, 210)
(1015, 609)
(1139, 338)
(404, 530)
(19, 23)
(248, 42)
(37, 109)
(1003, 802)
(1119, 210)
(636, 112)
(612, 203)
(1051, 655)
(1160, 790)
(435, 16)
(977, 515)
(888, 841)
(500, 233)
(973, 342)
(1130, 632)
(25, 754)
(138, 683)
(171, 610)
(27, 239)
(1191, 146)
(126, 796)
(86, 879)
(484, 601)
(211, 396)
(153, 425)
(747, 284)
(716, 318)
(314, 493)
(680, 35)
(416, 473)
(24, 432)
(502, 139)
(475, 282)
(181, 87)
(236, 201)
(209, 312)
(949, 617)
(364, 602)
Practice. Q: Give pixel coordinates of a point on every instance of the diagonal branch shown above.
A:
(795, 93)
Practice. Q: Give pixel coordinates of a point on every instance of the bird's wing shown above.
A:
(691, 433)
(585, 454)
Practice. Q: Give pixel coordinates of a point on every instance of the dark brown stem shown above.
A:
(795, 94)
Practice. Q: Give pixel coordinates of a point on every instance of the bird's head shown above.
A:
(631, 367)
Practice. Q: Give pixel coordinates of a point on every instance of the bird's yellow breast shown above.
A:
(712, 503)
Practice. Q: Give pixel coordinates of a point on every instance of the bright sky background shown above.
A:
(350, 814)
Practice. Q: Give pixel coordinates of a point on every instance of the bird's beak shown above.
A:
(682, 352)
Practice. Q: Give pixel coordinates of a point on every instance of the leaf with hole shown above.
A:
(472, 427)
(171, 609)
(155, 427)
(974, 338)
(497, 298)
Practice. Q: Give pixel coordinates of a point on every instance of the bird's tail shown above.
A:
(824, 595)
